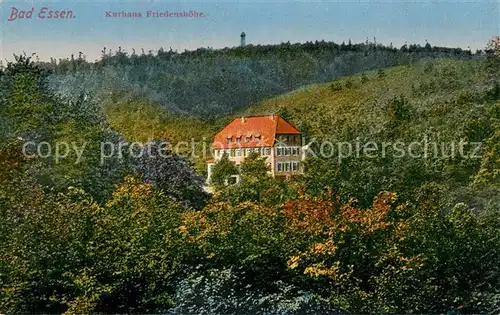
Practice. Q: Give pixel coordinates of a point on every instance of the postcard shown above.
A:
(249, 157)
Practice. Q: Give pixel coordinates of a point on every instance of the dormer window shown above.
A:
(257, 138)
(238, 139)
(248, 138)
(229, 139)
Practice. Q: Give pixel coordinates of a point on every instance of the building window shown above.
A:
(233, 153)
(249, 151)
(288, 166)
(278, 151)
(288, 151)
(238, 152)
(248, 138)
(238, 139)
(257, 138)
(228, 139)
(267, 151)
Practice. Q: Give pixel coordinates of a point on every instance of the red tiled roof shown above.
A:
(284, 127)
(267, 127)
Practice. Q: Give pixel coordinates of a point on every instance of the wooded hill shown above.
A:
(443, 101)
(209, 82)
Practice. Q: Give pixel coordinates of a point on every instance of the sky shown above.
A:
(91, 27)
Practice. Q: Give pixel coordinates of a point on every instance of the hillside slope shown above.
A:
(217, 82)
(445, 114)
(437, 94)
(442, 101)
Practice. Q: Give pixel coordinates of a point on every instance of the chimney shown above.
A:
(243, 119)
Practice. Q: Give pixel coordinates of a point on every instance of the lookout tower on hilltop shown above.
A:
(243, 39)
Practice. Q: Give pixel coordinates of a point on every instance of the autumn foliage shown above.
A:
(358, 259)
(140, 236)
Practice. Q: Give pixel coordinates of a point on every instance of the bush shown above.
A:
(171, 173)
(348, 84)
(370, 256)
(335, 86)
(230, 291)
(222, 171)
(65, 253)
(246, 235)
(364, 78)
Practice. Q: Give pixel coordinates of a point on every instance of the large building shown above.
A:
(272, 137)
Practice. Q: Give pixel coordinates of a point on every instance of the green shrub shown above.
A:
(349, 84)
(364, 78)
(65, 253)
(335, 86)
(223, 169)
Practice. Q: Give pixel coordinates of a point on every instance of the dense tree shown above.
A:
(493, 55)
(133, 232)
(208, 82)
(65, 253)
(25, 101)
(369, 256)
(254, 166)
(170, 172)
(72, 122)
(223, 170)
